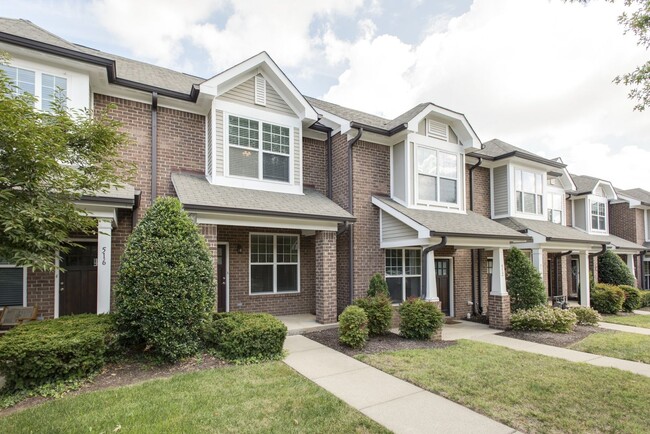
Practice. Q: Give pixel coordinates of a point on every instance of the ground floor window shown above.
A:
(646, 274)
(403, 273)
(274, 263)
(12, 284)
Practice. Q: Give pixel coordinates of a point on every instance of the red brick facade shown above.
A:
(325, 258)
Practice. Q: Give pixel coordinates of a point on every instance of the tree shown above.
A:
(613, 271)
(523, 281)
(165, 284)
(47, 161)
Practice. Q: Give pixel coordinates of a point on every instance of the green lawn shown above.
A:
(630, 320)
(529, 392)
(628, 346)
(269, 397)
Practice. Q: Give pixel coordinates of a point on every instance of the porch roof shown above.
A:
(125, 194)
(197, 194)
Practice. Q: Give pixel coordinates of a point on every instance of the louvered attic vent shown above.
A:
(260, 90)
(437, 130)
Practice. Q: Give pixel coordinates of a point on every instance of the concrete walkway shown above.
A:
(482, 333)
(624, 328)
(641, 312)
(395, 404)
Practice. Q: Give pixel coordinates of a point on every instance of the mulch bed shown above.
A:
(378, 344)
(556, 339)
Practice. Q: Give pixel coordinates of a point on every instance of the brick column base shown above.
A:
(499, 311)
(325, 277)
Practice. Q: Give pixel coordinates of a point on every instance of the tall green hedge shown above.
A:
(612, 270)
(524, 282)
(165, 286)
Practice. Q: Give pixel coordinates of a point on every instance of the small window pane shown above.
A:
(520, 201)
(287, 248)
(426, 161)
(276, 167)
(244, 162)
(412, 262)
(243, 132)
(261, 248)
(412, 287)
(529, 203)
(538, 183)
(528, 182)
(275, 138)
(448, 165)
(287, 278)
(427, 188)
(518, 185)
(393, 262)
(395, 289)
(261, 278)
(448, 190)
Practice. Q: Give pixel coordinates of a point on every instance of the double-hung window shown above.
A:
(437, 173)
(274, 263)
(258, 150)
(555, 208)
(598, 216)
(52, 87)
(528, 191)
(646, 274)
(403, 273)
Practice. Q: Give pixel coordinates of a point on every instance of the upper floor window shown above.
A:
(52, 88)
(248, 159)
(555, 208)
(26, 81)
(528, 191)
(437, 173)
(598, 216)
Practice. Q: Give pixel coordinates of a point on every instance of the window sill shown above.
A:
(274, 293)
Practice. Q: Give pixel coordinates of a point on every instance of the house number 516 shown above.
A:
(103, 255)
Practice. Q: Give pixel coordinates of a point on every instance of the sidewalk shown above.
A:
(398, 405)
(482, 333)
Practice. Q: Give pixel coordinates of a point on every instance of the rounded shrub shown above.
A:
(379, 310)
(69, 347)
(645, 298)
(607, 299)
(378, 286)
(632, 298)
(353, 327)
(524, 282)
(419, 319)
(544, 318)
(586, 315)
(165, 284)
(246, 336)
(612, 270)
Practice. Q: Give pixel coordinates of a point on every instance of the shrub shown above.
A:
(523, 282)
(378, 286)
(419, 319)
(586, 315)
(165, 286)
(612, 270)
(246, 336)
(70, 347)
(353, 327)
(544, 318)
(645, 298)
(632, 298)
(379, 310)
(607, 299)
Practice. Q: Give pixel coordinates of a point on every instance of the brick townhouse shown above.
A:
(302, 201)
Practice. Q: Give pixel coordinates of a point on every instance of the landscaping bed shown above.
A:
(556, 339)
(376, 344)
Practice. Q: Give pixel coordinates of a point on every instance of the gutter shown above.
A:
(190, 207)
(473, 251)
(602, 252)
(376, 130)
(351, 143)
(523, 156)
(425, 271)
(154, 146)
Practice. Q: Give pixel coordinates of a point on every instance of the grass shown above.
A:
(628, 346)
(630, 320)
(529, 392)
(268, 397)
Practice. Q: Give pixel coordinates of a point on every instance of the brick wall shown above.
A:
(314, 160)
(40, 292)
(623, 222)
(325, 276)
(481, 190)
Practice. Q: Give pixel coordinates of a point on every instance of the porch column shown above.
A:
(538, 261)
(104, 232)
(498, 300)
(584, 278)
(325, 277)
(431, 285)
(630, 265)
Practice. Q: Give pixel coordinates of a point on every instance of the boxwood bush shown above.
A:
(353, 327)
(242, 336)
(419, 319)
(632, 298)
(645, 298)
(524, 282)
(379, 310)
(586, 315)
(612, 270)
(544, 318)
(70, 347)
(607, 299)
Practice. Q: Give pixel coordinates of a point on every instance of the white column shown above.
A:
(104, 229)
(498, 273)
(538, 261)
(630, 265)
(584, 278)
(431, 284)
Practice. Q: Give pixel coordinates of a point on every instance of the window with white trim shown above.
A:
(528, 191)
(554, 202)
(274, 263)
(646, 274)
(12, 284)
(437, 176)
(598, 216)
(52, 88)
(403, 273)
(270, 161)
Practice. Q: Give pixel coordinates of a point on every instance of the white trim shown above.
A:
(423, 231)
(429, 204)
(24, 280)
(646, 215)
(274, 264)
(228, 219)
(512, 187)
(391, 173)
(227, 262)
(403, 276)
(600, 200)
(462, 127)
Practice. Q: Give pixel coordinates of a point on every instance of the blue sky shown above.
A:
(535, 73)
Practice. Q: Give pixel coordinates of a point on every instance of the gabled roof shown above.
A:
(588, 184)
(639, 194)
(552, 231)
(496, 149)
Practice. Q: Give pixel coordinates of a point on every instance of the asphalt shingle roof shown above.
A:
(585, 184)
(636, 193)
(195, 192)
(496, 149)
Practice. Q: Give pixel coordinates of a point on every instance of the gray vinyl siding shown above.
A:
(245, 94)
(580, 214)
(297, 156)
(218, 138)
(393, 229)
(209, 158)
(500, 193)
(399, 171)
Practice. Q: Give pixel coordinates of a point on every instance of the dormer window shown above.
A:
(598, 216)
(528, 192)
(437, 176)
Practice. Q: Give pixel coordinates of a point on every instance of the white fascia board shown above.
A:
(423, 231)
(99, 211)
(462, 127)
(567, 180)
(337, 123)
(410, 242)
(554, 247)
(608, 188)
(265, 221)
(479, 243)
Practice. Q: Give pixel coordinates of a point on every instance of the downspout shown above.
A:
(473, 251)
(556, 262)
(351, 143)
(595, 255)
(329, 163)
(423, 261)
(154, 146)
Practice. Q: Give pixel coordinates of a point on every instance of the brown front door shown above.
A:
(221, 277)
(443, 283)
(574, 278)
(78, 283)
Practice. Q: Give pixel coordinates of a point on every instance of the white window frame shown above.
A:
(274, 263)
(459, 175)
(598, 200)
(537, 213)
(549, 206)
(403, 275)
(646, 224)
(24, 280)
(38, 84)
(646, 277)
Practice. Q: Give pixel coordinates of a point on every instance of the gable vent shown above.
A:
(437, 130)
(260, 90)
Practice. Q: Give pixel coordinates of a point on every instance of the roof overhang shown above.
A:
(311, 223)
(457, 121)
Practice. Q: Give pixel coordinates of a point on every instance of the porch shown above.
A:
(302, 323)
